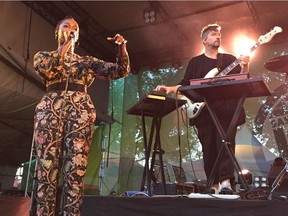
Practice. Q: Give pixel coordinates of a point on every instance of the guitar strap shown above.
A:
(219, 62)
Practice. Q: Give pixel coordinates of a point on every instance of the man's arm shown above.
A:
(167, 89)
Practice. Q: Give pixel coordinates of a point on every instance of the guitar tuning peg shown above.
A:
(277, 29)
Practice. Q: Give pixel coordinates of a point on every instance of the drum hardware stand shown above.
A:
(33, 175)
(102, 163)
(278, 180)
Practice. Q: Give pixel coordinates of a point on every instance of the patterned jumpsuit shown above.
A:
(64, 125)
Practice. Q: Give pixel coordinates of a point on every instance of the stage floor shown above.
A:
(158, 206)
(178, 206)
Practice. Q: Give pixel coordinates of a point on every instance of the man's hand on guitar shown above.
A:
(244, 62)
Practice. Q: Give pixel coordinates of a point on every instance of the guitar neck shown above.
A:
(235, 63)
(229, 68)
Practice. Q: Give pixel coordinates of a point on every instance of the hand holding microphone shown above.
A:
(69, 44)
(71, 36)
(117, 39)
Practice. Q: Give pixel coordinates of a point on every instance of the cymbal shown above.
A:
(278, 64)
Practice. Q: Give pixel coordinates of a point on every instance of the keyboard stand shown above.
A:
(157, 109)
(226, 89)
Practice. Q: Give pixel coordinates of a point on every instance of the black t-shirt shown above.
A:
(197, 68)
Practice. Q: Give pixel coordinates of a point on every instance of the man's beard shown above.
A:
(216, 44)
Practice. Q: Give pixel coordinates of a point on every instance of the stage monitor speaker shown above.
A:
(178, 189)
(158, 189)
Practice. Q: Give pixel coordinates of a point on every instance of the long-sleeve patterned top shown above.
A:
(78, 69)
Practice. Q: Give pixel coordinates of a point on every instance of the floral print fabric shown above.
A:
(63, 129)
(78, 69)
(64, 126)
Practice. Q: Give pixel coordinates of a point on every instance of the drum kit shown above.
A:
(278, 64)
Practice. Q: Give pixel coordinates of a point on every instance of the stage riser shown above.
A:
(179, 206)
(152, 206)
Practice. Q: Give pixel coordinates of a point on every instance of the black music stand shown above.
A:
(227, 89)
(157, 109)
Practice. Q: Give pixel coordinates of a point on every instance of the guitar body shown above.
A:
(212, 73)
(194, 109)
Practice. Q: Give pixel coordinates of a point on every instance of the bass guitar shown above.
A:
(194, 109)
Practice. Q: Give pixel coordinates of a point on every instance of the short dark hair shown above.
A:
(209, 28)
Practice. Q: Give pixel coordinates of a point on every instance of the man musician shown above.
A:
(209, 137)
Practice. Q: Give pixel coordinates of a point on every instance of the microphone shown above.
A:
(72, 37)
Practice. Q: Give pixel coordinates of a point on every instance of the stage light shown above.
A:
(246, 174)
(150, 15)
(260, 181)
(243, 45)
